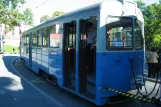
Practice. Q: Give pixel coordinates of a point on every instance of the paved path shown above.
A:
(15, 92)
(26, 89)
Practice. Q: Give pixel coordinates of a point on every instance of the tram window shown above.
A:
(138, 35)
(39, 38)
(20, 40)
(34, 39)
(72, 39)
(24, 40)
(72, 34)
(45, 38)
(27, 40)
(54, 36)
(119, 34)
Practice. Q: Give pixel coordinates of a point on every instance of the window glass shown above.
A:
(34, 39)
(119, 33)
(138, 35)
(72, 36)
(45, 38)
(27, 40)
(39, 39)
(54, 36)
(24, 40)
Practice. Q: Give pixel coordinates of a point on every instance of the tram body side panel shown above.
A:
(22, 52)
(55, 64)
(114, 70)
(34, 60)
(44, 60)
(26, 55)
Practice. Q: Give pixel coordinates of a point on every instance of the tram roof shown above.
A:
(70, 14)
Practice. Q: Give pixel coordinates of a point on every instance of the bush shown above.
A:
(9, 49)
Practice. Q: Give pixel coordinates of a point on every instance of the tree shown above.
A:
(156, 40)
(9, 12)
(151, 22)
(11, 16)
(140, 4)
(27, 16)
(57, 13)
(44, 18)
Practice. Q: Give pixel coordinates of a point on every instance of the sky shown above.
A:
(47, 7)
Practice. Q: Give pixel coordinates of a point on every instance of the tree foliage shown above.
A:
(27, 16)
(57, 13)
(44, 18)
(10, 13)
(152, 22)
(156, 40)
(140, 4)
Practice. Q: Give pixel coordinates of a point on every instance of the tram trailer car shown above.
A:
(58, 47)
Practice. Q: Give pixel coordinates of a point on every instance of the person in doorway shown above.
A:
(91, 43)
(153, 62)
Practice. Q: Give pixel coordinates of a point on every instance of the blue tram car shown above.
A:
(58, 48)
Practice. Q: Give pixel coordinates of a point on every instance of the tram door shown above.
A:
(30, 50)
(69, 55)
(82, 61)
(87, 57)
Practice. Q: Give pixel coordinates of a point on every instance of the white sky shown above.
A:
(47, 7)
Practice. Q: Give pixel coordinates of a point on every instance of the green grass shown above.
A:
(9, 49)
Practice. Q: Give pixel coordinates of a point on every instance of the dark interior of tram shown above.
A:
(86, 76)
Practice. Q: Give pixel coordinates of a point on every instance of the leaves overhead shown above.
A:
(140, 4)
(27, 16)
(44, 18)
(10, 13)
(152, 20)
(55, 14)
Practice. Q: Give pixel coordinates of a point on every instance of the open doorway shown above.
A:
(69, 55)
(87, 56)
